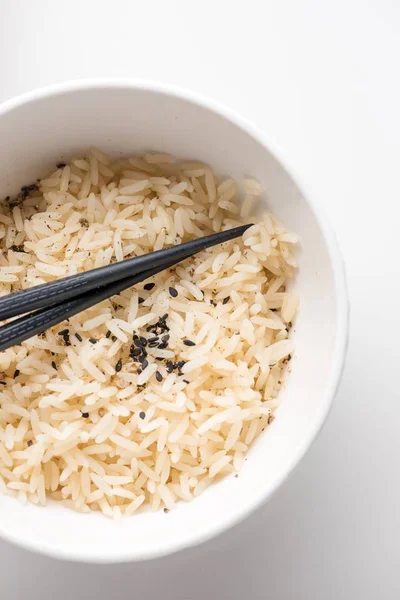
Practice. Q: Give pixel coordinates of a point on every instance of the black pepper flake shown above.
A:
(29, 443)
(142, 415)
(16, 373)
(159, 377)
(173, 292)
(63, 332)
(78, 337)
(53, 364)
(189, 343)
(213, 303)
(185, 381)
(149, 286)
(85, 415)
(113, 338)
(27, 189)
(145, 364)
(3, 383)
(118, 366)
(92, 340)
(273, 309)
(226, 300)
(15, 248)
(140, 300)
(84, 222)
(60, 165)
(166, 510)
(139, 371)
(108, 334)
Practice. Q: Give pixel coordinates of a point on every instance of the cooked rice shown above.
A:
(89, 418)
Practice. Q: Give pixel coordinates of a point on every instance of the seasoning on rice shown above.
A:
(230, 321)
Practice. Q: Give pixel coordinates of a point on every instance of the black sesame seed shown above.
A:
(169, 366)
(53, 364)
(159, 377)
(213, 303)
(113, 338)
(189, 343)
(16, 373)
(143, 341)
(78, 337)
(139, 371)
(185, 381)
(118, 366)
(92, 340)
(64, 332)
(164, 317)
(165, 338)
(153, 339)
(15, 248)
(108, 334)
(173, 292)
(85, 415)
(153, 344)
(226, 300)
(142, 415)
(149, 286)
(145, 364)
(29, 443)
(162, 346)
(140, 300)
(3, 383)
(136, 352)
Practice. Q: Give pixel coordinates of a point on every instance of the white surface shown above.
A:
(150, 116)
(322, 79)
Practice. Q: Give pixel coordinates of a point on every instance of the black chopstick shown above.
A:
(49, 294)
(34, 323)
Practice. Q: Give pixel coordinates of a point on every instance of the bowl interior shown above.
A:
(49, 127)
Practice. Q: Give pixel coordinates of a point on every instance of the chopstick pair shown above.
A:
(58, 300)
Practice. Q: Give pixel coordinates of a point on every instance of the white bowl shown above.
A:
(46, 126)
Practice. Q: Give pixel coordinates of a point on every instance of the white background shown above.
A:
(322, 79)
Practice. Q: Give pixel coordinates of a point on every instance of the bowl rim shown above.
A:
(341, 294)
